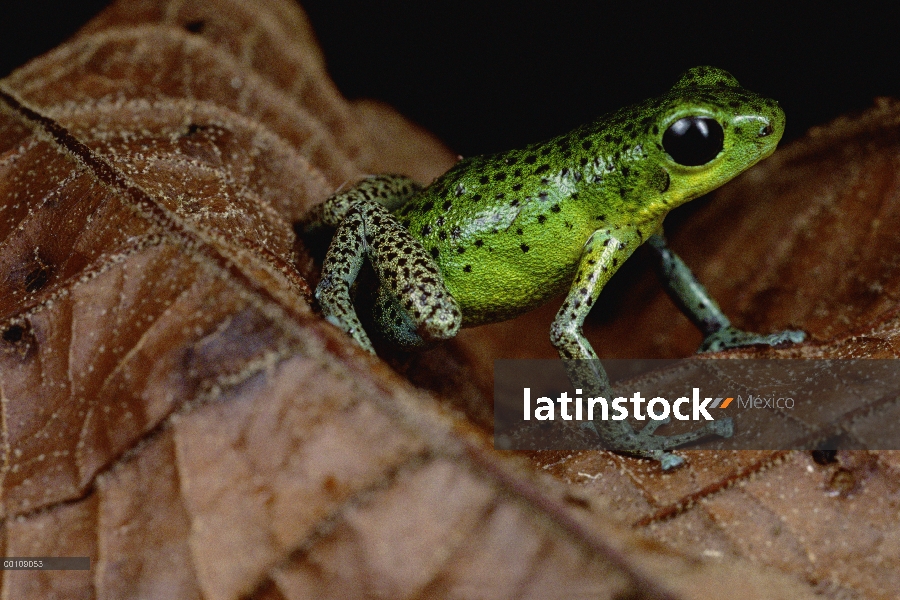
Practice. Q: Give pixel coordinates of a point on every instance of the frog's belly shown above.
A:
(505, 285)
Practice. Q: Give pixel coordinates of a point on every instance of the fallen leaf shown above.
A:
(173, 407)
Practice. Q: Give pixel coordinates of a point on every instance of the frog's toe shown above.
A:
(590, 426)
(730, 337)
(669, 461)
(444, 321)
(355, 331)
(653, 425)
(794, 336)
(721, 427)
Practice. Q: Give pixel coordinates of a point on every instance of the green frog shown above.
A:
(499, 235)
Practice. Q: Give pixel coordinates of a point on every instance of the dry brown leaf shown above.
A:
(173, 408)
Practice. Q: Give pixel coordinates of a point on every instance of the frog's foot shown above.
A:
(412, 329)
(653, 425)
(647, 444)
(669, 461)
(334, 299)
(731, 337)
(721, 427)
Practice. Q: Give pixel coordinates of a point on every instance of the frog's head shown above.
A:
(707, 129)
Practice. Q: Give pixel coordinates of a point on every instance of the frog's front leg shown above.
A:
(696, 303)
(419, 306)
(603, 253)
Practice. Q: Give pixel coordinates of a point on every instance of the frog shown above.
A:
(501, 234)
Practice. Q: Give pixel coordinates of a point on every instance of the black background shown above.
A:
(487, 76)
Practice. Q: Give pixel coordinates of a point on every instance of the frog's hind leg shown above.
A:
(394, 323)
(406, 272)
(414, 306)
(390, 191)
(698, 306)
(410, 281)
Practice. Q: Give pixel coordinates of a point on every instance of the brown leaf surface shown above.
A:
(173, 408)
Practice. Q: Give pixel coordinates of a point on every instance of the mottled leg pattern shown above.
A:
(604, 252)
(342, 263)
(391, 191)
(411, 276)
(394, 323)
(696, 303)
(414, 306)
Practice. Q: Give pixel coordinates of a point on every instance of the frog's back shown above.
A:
(507, 230)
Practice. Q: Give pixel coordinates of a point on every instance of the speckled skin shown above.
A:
(499, 235)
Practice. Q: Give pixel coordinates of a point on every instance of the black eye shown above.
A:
(693, 141)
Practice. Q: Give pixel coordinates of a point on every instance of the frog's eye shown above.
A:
(693, 141)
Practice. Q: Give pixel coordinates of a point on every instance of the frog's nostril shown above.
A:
(766, 129)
